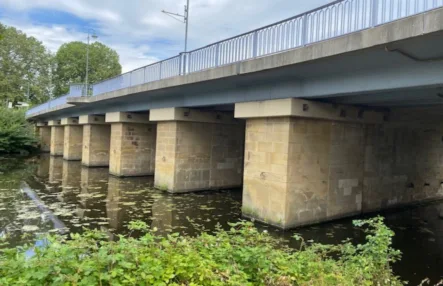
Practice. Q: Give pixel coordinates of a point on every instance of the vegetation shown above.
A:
(24, 64)
(31, 73)
(240, 256)
(16, 134)
(71, 60)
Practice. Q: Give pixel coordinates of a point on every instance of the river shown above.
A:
(47, 194)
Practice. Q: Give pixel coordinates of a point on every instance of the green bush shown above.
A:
(16, 134)
(240, 256)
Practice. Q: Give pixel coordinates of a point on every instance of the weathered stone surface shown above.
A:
(96, 144)
(301, 171)
(44, 135)
(57, 138)
(194, 156)
(73, 142)
(132, 151)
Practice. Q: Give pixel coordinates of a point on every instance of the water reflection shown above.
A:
(55, 169)
(45, 194)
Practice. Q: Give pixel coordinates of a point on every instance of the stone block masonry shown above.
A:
(44, 135)
(73, 139)
(57, 138)
(195, 155)
(96, 141)
(304, 170)
(132, 150)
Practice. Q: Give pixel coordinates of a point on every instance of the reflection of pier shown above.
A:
(55, 169)
(92, 184)
(70, 181)
(43, 166)
(122, 196)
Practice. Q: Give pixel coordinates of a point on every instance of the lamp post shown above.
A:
(185, 20)
(91, 33)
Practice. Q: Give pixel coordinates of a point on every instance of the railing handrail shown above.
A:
(270, 25)
(143, 67)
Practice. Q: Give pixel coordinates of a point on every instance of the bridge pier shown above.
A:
(96, 140)
(304, 161)
(57, 137)
(44, 135)
(132, 149)
(73, 139)
(197, 150)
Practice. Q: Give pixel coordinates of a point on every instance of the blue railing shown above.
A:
(75, 90)
(333, 20)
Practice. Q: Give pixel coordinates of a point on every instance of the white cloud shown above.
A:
(139, 31)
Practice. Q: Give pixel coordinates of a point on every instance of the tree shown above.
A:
(70, 62)
(25, 68)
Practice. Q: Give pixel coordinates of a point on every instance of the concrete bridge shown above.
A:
(348, 121)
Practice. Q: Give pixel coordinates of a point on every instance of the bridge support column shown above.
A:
(44, 135)
(73, 139)
(304, 161)
(197, 150)
(132, 151)
(96, 140)
(57, 137)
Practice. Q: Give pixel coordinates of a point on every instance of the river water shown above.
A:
(47, 194)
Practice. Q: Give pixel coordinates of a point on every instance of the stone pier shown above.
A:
(132, 149)
(57, 137)
(73, 134)
(304, 161)
(96, 140)
(44, 136)
(197, 150)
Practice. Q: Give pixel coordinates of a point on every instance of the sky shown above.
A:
(137, 29)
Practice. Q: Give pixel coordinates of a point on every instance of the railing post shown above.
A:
(161, 64)
(374, 12)
(217, 57)
(304, 33)
(180, 64)
(255, 44)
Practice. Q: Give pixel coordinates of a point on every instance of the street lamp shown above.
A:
(185, 20)
(91, 33)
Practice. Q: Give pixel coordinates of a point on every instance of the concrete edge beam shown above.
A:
(191, 115)
(307, 109)
(127, 117)
(92, 119)
(69, 121)
(57, 122)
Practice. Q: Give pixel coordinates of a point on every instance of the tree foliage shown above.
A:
(16, 134)
(240, 256)
(24, 63)
(70, 63)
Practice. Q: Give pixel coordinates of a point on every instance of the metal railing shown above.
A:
(332, 20)
(75, 90)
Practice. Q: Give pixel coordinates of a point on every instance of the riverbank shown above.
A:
(242, 255)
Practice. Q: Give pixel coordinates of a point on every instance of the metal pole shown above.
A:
(87, 67)
(187, 22)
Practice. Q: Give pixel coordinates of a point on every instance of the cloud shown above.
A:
(138, 30)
